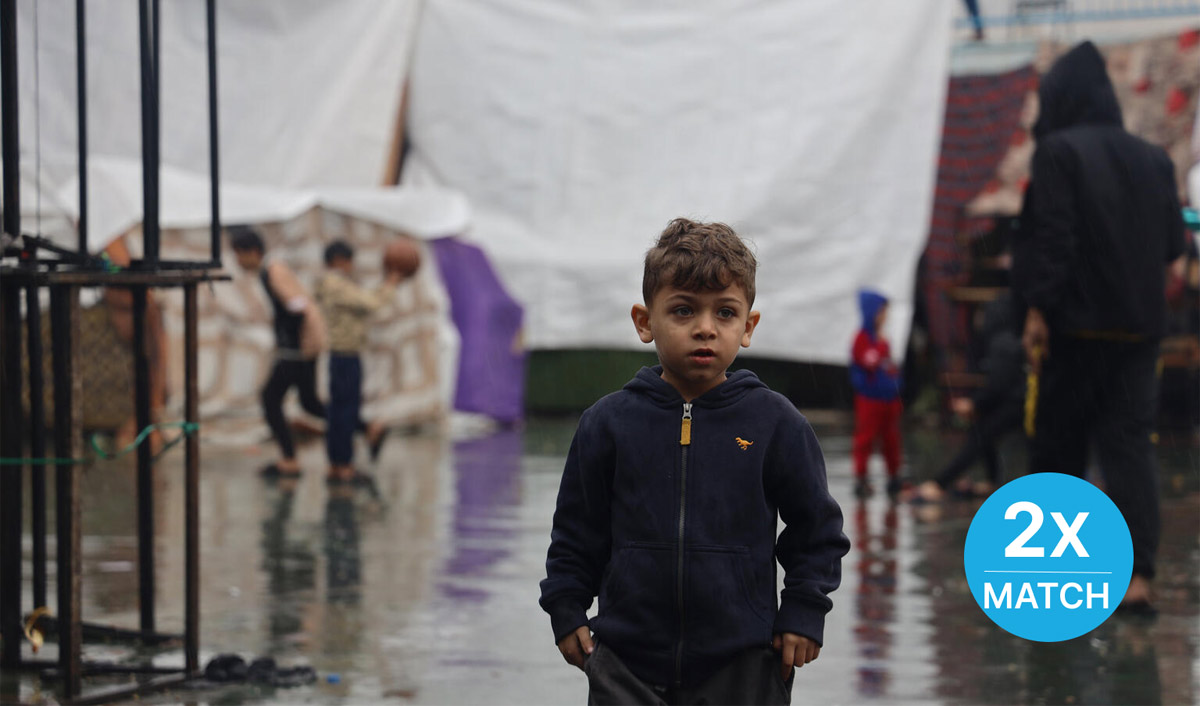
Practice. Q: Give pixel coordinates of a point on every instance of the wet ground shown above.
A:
(426, 591)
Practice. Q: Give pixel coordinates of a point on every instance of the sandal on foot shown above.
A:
(272, 471)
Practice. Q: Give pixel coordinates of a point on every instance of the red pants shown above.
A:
(876, 419)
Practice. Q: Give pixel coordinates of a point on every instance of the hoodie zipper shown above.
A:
(685, 440)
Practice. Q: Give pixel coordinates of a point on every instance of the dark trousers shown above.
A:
(1107, 393)
(986, 431)
(973, 11)
(345, 404)
(750, 678)
(301, 374)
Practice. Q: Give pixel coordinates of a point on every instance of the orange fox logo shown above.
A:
(742, 443)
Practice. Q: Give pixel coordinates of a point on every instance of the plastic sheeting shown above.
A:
(115, 203)
(309, 90)
(579, 129)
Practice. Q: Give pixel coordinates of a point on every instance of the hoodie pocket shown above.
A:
(722, 598)
(637, 595)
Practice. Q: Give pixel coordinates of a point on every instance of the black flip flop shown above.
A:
(272, 472)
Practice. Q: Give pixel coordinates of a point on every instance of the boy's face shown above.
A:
(697, 334)
(880, 318)
(248, 260)
(342, 264)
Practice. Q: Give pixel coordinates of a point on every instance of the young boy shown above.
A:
(299, 338)
(877, 405)
(348, 309)
(670, 498)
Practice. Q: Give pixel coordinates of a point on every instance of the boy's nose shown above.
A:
(706, 327)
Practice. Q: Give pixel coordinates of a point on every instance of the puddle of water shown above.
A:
(426, 590)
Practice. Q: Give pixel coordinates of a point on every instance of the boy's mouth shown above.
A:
(703, 355)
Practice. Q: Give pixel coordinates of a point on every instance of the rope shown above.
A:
(187, 429)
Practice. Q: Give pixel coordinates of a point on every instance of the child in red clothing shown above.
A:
(877, 406)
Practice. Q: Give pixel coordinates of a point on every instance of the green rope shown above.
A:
(187, 428)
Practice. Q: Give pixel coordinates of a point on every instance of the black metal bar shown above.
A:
(145, 468)
(118, 693)
(150, 141)
(10, 476)
(214, 151)
(96, 632)
(191, 415)
(81, 99)
(9, 139)
(64, 347)
(37, 440)
(49, 670)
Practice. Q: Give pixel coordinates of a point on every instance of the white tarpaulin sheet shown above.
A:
(577, 130)
(115, 203)
(309, 90)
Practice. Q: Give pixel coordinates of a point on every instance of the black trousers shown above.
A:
(1105, 393)
(345, 405)
(986, 431)
(750, 678)
(286, 374)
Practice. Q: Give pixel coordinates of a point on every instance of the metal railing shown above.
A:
(1030, 12)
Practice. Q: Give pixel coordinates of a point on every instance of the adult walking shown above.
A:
(1100, 227)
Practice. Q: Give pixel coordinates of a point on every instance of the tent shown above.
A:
(412, 368)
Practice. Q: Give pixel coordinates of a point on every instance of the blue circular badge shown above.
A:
(1048, 557)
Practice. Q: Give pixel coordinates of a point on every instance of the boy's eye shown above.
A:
(727, 313)
(682, 311)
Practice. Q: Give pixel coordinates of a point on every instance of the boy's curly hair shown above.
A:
(698, 257)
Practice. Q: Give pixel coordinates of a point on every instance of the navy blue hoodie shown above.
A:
(679, 540)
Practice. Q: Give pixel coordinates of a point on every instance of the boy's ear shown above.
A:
(751, 322)
(641, 321)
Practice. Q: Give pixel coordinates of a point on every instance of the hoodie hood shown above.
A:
(1076, 91)
(649, 382)
(869, 303)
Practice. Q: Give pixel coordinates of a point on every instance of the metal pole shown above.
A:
(81, 100)
(145, 468)
(150, 141)
(37, 440)
(11, 144)
(10, 370)
(10, 476)
(191, 404)
(213, 145)
(64, 328)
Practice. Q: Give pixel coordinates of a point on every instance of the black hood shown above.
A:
(1076, 91)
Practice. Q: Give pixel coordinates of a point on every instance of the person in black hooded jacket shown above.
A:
(1100, 227)
(670, 500)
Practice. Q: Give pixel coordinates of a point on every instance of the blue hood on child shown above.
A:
(869, 303)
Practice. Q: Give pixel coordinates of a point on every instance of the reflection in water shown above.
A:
(875, 603)
(290, 568)
(342, 563)
(487, 485)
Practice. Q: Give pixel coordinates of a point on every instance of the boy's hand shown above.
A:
(576, 647)
(796, 651)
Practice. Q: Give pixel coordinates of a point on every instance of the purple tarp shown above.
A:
(491, 363)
